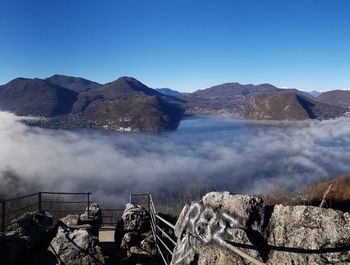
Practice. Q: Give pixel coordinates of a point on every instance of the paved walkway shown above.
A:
(106, 234)
(109, 248)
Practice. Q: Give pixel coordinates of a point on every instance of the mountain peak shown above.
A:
(76, 84)
(127, 86)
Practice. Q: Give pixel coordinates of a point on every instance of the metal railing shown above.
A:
(53, 202)
(164, 242)
(110, 218)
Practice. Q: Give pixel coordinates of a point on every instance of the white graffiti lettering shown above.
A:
(203, 224)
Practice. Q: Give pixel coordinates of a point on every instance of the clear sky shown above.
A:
(181, 44)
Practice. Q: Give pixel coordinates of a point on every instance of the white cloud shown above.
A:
(248, 157)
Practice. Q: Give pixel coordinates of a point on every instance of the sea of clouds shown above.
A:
(223, 153)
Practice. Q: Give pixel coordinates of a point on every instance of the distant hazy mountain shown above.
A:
(229, 97)
(229, 90)
(124, 104)
(76, 84)
(224, 98)
(169, 92)
(336, 97)
(36, 97)
(288, 106)
(314, 93)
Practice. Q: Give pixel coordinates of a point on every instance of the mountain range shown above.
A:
(127, 104)
(67, 102)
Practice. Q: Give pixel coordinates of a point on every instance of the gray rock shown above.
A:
(306, 232)
(288, 235)
(78, 246)
(203, 228)
(247, 210)
(92, 217)
(134, 236)
(130, 239)
(71, 220)
(138, 251)
(148, 245)
(26, 234)
(136, 218)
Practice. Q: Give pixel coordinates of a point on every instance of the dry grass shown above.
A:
(173, 204)
(337, 198)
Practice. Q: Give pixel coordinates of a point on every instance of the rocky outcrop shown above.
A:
(203, 228)
(134, 236)
(93, 217)
(76, 241)
(240, 229)
(76, 246)
(28, 234)
(308, 235)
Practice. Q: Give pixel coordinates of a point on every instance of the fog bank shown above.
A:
(218, 152)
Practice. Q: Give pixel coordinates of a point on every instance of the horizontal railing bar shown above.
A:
(166, 247)
(112, 210)
(67, 211)
(46, 192)
(165, 221)
(63, 202)
(21, 197)
(109, 223)
(66, 193)
(164, 233)
(161, 254)
(20, 209)
(139, 194)
(108, 216)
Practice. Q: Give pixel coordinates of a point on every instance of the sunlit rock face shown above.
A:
(224, 228)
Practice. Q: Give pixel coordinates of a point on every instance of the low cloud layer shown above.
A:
(222, 153)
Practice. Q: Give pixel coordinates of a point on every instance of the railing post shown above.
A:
(149, 202)
(39, 202)
(3, 217)
(88, 204)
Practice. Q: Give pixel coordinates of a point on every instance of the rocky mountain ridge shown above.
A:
(66, 102)
(128, 105)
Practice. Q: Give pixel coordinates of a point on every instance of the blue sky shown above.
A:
(181, 44)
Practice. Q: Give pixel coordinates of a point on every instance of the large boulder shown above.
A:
(133, 236)
(136, 218)
(205, 229)
(71, 220)
(29, 233)
(224, 229)
(308, 235)
(76, 246)
(93, 217)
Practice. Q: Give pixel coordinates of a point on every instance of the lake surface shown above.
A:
(219, 152)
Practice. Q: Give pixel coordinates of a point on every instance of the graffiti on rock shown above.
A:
(205, 225)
